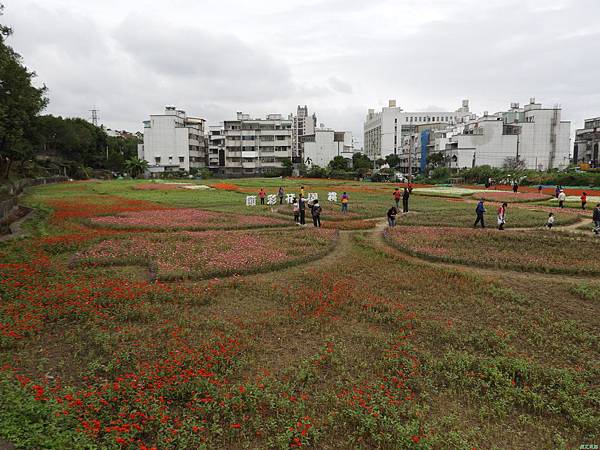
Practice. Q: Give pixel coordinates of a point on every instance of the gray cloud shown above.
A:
(340, 85)
(339, 57)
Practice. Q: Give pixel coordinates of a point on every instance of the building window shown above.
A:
(157, 159)
(181, 159)
(396, 120)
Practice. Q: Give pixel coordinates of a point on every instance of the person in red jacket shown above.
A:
(583, 200)
(397, 197)
(262, 195)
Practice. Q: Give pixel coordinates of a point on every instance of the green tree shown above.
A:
(393, 160)
(361, 161)
(435, 160)
(339, 163)
(20, 103)
(136, 166)
(287, 167)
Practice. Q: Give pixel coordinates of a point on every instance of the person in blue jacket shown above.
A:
(480, 211)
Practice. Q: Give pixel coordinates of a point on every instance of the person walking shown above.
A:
(281, 193)
(345, 200)
(391, 216)
(596, 219)
(550, 222)
(405, 197)
(301, 191)
(561, 199)
(502, 216)
(540, 189)
(515, 187)
(262, 194)
(397, 197)
(315, 210)
(557, 191)
(296, 209)
(480, 211)
(583, 199)
(302, 209)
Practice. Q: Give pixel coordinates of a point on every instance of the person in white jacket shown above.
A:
(561, 199)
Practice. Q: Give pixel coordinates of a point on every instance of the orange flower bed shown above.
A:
(83, 206)
(226, 186)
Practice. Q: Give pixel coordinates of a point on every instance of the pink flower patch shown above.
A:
(188, 218)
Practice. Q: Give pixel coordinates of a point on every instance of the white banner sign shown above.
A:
(251, 200)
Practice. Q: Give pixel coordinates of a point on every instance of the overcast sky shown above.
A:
(212, 58)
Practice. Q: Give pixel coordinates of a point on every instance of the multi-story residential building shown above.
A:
(173, 142)
(418, 144)
(216, 149)
(325, 144)
(587, 142)
(532, 137)
(303, 125)
(256, 146)
(384, 131)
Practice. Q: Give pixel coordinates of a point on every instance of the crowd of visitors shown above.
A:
(300, 203)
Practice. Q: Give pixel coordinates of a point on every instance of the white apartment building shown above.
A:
(533, 135)
(173, 142)
(587, 143)
(303, 124)
(325, 144)
(256, 146)
(384, 131)
(216, 149)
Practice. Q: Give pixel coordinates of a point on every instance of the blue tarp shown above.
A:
(424, 144)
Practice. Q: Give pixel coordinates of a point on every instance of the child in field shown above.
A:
(583, 199)
(502, 216)
(345, 203)
(550, 222)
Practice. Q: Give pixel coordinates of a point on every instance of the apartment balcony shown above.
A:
(249, 154)
(287, 132)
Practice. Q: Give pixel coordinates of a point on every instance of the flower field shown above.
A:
(538, 251)
(292, 337)
(207, 254)
(510, 197)
(184, 219)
